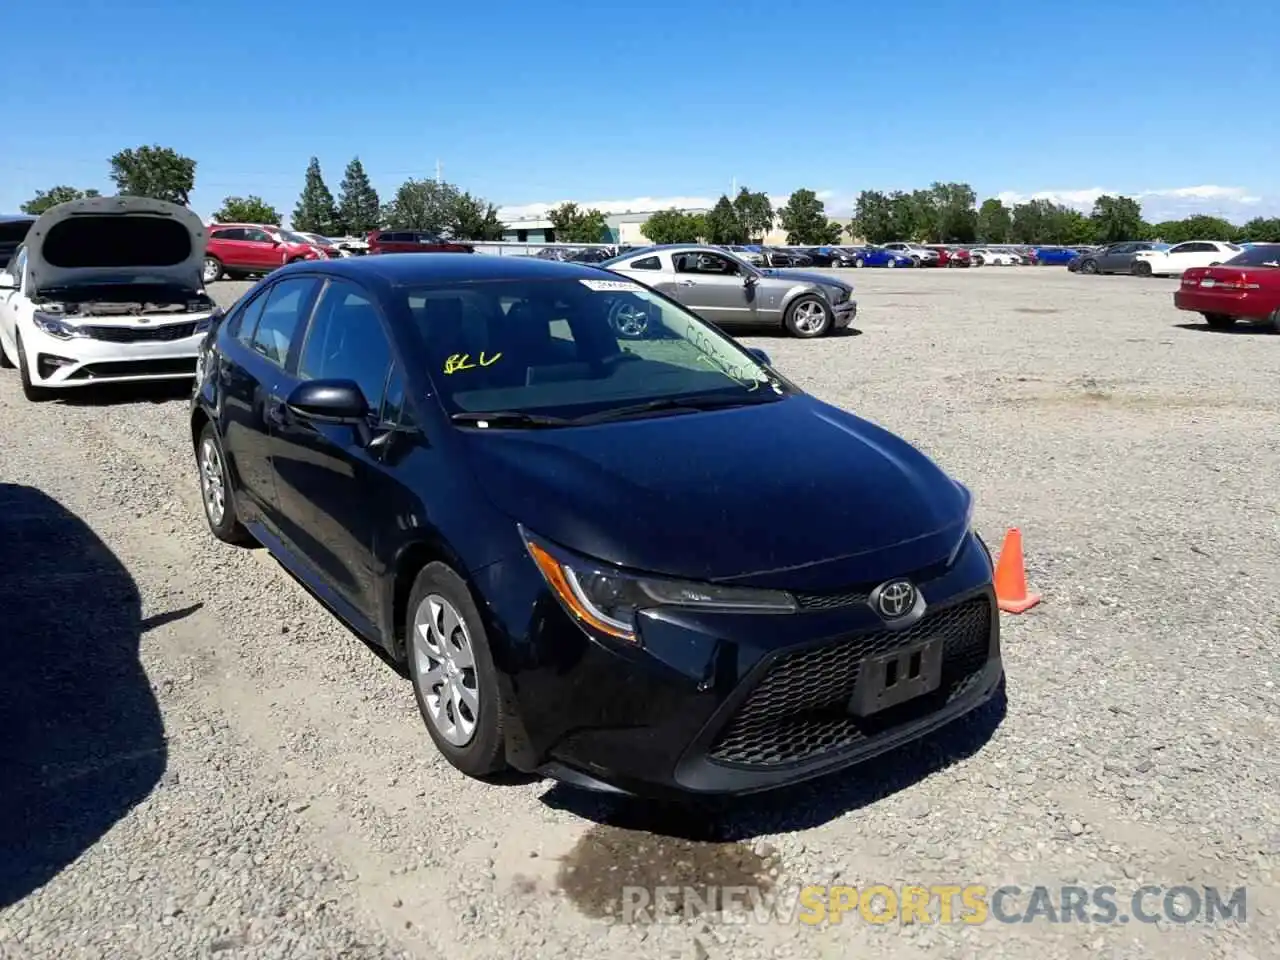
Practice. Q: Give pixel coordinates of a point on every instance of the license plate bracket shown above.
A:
(893, 678)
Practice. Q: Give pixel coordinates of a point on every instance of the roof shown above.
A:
(406, 269)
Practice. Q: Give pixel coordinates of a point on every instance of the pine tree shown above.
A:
(316, 211)
(359, 209)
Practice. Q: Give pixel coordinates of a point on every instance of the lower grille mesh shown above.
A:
(799, 710)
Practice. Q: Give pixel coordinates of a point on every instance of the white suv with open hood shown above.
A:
(105, 289)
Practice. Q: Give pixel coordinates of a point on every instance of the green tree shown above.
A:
(472, 218)
(316, 212)
(422, 205)
(926, 216)
(1032, 222)
(358, 205)
(575, 225)
(904, 217)
(1118, 218)
(1202, 227)
(1071, 227)
(44, 199)
(723, 225)
(154, 171)
(1261, 230)
(248, 209)
(994, 222)
(872, 217)
(755, 213)
(674, 226)
(954, 216)
(805, 219)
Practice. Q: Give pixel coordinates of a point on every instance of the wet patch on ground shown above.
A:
(635, 875)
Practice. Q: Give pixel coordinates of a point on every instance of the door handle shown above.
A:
(686, 283)
(277, 414)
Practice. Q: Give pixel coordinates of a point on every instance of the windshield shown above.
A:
(1263, 255)
(290, 237)
(573, 347)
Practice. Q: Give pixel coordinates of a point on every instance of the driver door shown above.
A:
(715, 287)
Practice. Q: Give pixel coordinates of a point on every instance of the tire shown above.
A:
(1141, 269)
(1220, 321)
(808, 317)
(1274, 320)
(892, 262)
(1089, 266)
(5, 362)
(212, 271)
(469, 737)
(859, 263)
(626, 323)
(215, 486)
(29, 390)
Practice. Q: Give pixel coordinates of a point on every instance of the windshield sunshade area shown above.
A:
(574, 348)
(116, 241)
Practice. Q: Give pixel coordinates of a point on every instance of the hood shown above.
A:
(792, 495)
(115, 239)
(800, 276)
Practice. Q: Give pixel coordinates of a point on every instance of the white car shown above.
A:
(990, 257)
(1184, 256)
(922, 255)
(105, 289)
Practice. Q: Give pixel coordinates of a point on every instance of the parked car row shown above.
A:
(1146, 258)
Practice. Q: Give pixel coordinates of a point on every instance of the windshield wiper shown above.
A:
(676, 404)
(510, 418)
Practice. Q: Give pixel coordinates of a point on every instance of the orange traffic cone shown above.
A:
(1011, 576)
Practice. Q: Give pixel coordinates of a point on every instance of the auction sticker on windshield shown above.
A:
(602, 285)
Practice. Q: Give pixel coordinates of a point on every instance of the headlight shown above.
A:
(55, 326)
(203, 325)
(609, 600)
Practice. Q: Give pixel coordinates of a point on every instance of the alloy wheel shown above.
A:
(809, 317)
(212, 484)
(446, 667)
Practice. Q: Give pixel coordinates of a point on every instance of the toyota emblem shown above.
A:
(896, 599)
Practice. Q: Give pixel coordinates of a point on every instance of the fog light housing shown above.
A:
(47, 364)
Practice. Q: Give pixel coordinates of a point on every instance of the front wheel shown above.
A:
(808, 317)
(859, 263)
(1220, 321)
(454, 679)
(32, 392)
(1089, 266)
(5, 362)
(216, 491)
(629, 321)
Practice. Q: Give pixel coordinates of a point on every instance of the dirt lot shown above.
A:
(205, 763)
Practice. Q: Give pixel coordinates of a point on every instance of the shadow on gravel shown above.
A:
(108, 394)
(1249, 328)
(789, 809)
(81, 739)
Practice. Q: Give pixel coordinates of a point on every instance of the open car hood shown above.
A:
(107, 240)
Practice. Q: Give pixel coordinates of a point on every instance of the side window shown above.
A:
(346, 341)
(233, 234)
(395, 410)
(282, 312)
(646, 263)
(257, 236)
(1183, 248)
(706, 264)
(245, 318)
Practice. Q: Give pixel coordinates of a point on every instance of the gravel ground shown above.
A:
(205, 763)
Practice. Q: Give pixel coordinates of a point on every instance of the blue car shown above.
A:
(1055, 256)
(879, 257)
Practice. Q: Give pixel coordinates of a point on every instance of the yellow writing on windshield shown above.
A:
(462, 361)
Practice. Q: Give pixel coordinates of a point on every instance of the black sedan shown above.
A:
(572, 539)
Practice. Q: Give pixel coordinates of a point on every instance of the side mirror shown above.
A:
(750, 280)
(760, 355)
(329, 401)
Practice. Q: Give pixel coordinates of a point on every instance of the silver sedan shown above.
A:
(729, 292)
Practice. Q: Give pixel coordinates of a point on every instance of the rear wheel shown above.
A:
(1141, 269)
(1275, 320)
(216, 491)
(1220, 321)
(212, 270)
(808, 317)
(892, 262)
(859, 263)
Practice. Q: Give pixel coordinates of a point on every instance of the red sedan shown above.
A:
(1246, 287)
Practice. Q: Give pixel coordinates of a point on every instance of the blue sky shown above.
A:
(531, 103)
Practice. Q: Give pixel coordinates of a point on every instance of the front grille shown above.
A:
(799, 709)
(149, 334)
(830, 601)
(136, 368)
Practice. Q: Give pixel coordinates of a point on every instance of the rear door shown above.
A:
(714, 287)
(326, 477)
(255, 348)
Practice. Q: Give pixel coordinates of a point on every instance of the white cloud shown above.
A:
(1165, 203)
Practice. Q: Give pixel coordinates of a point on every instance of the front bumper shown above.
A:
(844, 313)
(158, 351)
(717, 704)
